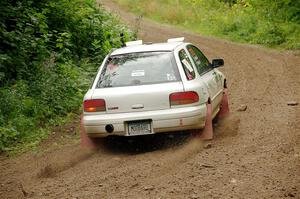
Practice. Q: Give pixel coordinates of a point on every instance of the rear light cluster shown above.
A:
(182, 98)
(94, 105)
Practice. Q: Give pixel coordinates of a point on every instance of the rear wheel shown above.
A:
(207, 132)
(85, 140)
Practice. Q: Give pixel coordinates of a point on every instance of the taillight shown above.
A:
(95, 105)
(182, 98)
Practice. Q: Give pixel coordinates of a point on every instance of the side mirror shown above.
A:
(217, 63)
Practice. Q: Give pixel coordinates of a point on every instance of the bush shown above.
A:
(49, 53)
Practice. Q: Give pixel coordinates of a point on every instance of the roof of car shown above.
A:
(147, 48)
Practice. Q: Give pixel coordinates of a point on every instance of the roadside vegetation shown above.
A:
(49, 53)
(269, 23)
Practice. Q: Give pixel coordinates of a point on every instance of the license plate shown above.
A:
(139, 127)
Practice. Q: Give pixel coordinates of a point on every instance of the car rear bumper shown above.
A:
(174, 119)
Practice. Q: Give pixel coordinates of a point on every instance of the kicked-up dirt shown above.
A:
(255, 153)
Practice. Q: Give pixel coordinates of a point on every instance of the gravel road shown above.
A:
(255, 153)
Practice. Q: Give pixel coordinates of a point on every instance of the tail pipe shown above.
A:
(109, 128)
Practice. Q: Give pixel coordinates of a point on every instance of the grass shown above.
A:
(242, 22)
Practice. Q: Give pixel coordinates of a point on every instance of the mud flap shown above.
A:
(207, 132)
(224, 109)
(85, 140)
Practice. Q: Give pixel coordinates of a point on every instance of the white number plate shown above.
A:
(139, 127)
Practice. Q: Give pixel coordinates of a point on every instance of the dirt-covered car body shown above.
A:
(152, 88)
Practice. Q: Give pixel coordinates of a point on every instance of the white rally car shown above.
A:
(152, 88)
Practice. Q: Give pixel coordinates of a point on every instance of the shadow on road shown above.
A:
(143, 144)
(227, 127)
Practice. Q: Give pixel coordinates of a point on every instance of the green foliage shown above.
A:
(49, 53)
(270, 23)
(7, 137)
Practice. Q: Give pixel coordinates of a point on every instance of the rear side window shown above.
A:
(187, 65)
(139, 69)
(199, 59)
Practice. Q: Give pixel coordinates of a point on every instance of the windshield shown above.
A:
(139, 69)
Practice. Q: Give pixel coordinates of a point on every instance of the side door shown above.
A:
(208, 75)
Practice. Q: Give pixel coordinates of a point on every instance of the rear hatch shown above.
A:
(138, 82)
(138, 98)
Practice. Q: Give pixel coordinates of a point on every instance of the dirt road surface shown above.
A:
(255, 153)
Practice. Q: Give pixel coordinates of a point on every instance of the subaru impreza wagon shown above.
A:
(145, 89)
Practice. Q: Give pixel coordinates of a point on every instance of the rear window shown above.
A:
(139, 69)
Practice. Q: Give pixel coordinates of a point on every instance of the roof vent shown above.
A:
(134, 43)
(179, 39)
